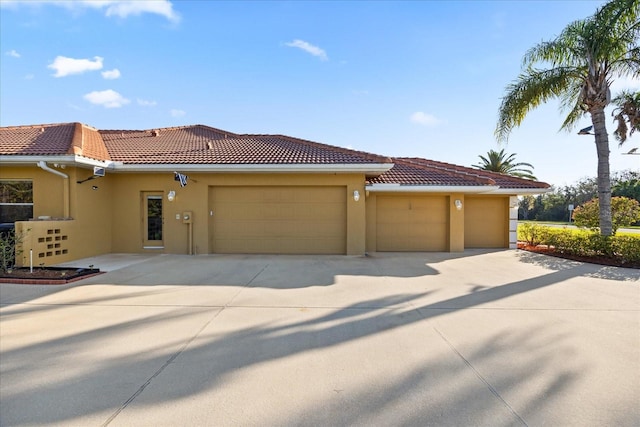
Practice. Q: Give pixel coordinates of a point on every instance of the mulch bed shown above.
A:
(600, 260)
(47, 275)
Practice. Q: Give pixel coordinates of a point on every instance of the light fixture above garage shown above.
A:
(356, 195)
(171, 196)
(458, 204)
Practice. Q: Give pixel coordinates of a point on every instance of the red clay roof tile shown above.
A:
(200, 144)
(417, 171)
(53, 139)
(203, 145)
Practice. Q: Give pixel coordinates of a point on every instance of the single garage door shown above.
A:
(486, 222)
(278, 220)
(412, 223)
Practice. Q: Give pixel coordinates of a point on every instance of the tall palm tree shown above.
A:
(627, 114)
(578, 67)
(499, 161)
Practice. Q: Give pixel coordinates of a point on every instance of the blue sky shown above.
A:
(414, 78)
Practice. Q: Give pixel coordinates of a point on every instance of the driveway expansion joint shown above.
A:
(481, 377)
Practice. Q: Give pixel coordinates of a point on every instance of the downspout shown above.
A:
(65, 192)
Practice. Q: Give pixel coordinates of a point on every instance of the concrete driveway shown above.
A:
(479, 338)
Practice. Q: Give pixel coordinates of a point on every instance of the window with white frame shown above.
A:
(16, 200)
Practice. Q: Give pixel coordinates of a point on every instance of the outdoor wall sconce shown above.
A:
(356, 195)
(458, 204)
(171, 195)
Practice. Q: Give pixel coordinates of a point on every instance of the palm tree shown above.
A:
(501, 163)
(627, 114)
(581, 63)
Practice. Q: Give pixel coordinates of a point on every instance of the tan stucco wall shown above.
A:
(127, 209)
(88, 225)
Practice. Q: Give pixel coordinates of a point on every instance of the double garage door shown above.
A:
(421, 223)
(278, 220)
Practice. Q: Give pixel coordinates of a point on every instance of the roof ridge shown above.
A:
(417, 161)
(366, 155)
(37, 126)
(170, 128)
(482, 172)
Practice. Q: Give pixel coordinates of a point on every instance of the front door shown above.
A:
(152, 220)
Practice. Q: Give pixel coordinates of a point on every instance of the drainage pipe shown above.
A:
(65, 192)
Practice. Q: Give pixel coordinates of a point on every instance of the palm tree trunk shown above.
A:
(604, 180)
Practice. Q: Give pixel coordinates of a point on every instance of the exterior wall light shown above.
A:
(171, 195)
(356, 195)
(458, 204)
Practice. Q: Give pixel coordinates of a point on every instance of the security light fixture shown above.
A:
(171, 196)
(356, 195)
(458, 204)
(586, 131)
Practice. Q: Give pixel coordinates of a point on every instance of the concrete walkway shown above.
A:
(480, 338)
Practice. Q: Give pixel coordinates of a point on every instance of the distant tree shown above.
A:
(578, 68)
(553, 206)
(627, 184)
(525, 207)
(624, 212)
(626, 114)
(499, 161)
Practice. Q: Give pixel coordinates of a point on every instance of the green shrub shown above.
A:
(625, 248)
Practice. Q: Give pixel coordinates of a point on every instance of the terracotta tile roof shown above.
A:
(204, 145)
(53, 140)
(200, 144)
(417, 171)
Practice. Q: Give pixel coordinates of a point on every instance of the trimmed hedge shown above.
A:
(624, 248)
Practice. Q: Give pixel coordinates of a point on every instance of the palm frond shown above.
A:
(530, 90)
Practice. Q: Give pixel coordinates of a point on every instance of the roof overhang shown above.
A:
(67, 160)
(467, 189)
(369, 169)
(397, 188)
(522, 191)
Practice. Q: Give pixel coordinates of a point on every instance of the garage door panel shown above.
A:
(486, 222)
(279, 220)
(412, 223)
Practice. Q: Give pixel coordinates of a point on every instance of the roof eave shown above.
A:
(397, 188)
(468, 189)
(522, 191)
(369, 169)
(63, 159)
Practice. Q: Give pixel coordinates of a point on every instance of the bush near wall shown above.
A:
(625, 248)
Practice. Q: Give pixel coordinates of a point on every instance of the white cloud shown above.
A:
(107, 98)
(425, 119)
(309, 48)
(111, 74)
(123, 9)
(66, 66)
(13, 53)
(146, 103)
(178, 113)
(119, 8)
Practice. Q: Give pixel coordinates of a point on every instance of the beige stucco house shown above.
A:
(201, 190)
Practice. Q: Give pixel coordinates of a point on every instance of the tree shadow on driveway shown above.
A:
(274, 365)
